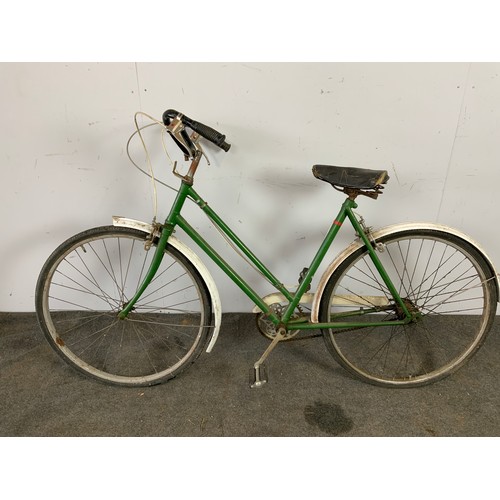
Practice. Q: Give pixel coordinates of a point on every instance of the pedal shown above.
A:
(258, 376)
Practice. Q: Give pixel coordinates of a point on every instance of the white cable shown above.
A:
(164, 147)
(153, 180)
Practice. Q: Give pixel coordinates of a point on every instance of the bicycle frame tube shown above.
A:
(318, 258)
(377, 263)
(175, 219)
(293, 298)
(241, 246)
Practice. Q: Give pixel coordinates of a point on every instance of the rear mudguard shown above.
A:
(379, 234)
(197, 263)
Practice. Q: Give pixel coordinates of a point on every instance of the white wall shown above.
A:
(434, 127)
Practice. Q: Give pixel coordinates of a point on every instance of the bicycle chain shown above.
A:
(310, 336)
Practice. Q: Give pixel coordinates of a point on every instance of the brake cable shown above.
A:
(150, 174)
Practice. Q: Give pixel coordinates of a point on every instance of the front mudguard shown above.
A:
(197, 263)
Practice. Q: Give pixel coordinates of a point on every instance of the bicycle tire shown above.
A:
(439, 275)
(85, 283)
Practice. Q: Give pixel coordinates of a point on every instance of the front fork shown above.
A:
(153, 267)
(166, 232)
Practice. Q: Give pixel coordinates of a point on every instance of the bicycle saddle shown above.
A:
(350, 177)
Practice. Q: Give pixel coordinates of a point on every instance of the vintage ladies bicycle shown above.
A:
(130, 304)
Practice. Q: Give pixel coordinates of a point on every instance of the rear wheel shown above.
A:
(441, 278)
(86, 282)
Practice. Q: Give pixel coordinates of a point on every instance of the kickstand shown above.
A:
(258, 374)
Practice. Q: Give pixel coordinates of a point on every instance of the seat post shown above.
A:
(352, 194)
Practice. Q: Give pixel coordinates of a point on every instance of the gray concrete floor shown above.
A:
(308, 394)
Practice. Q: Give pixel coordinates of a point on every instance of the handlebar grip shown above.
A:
(208, 133)
(204, 130)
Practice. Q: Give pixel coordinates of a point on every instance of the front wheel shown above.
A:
(88, 280)
(443, 280)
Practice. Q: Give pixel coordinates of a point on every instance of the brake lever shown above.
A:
(176, 127)
(195, 140)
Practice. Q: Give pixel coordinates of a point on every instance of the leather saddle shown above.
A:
(351, 177)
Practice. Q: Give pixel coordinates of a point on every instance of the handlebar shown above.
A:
(204, 130)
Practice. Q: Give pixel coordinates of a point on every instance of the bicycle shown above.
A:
(403, 306)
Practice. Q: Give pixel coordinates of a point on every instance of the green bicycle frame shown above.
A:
(175, 219)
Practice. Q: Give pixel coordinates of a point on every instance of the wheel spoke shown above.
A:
(163, 333)
(443, 282)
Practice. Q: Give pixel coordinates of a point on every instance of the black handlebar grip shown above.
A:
(208, 133)
(204, 130)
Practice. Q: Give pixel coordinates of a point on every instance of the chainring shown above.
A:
(267, 328)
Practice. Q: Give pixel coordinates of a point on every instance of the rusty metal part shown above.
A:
(353, 193)
(267, 328)
(302, 275)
